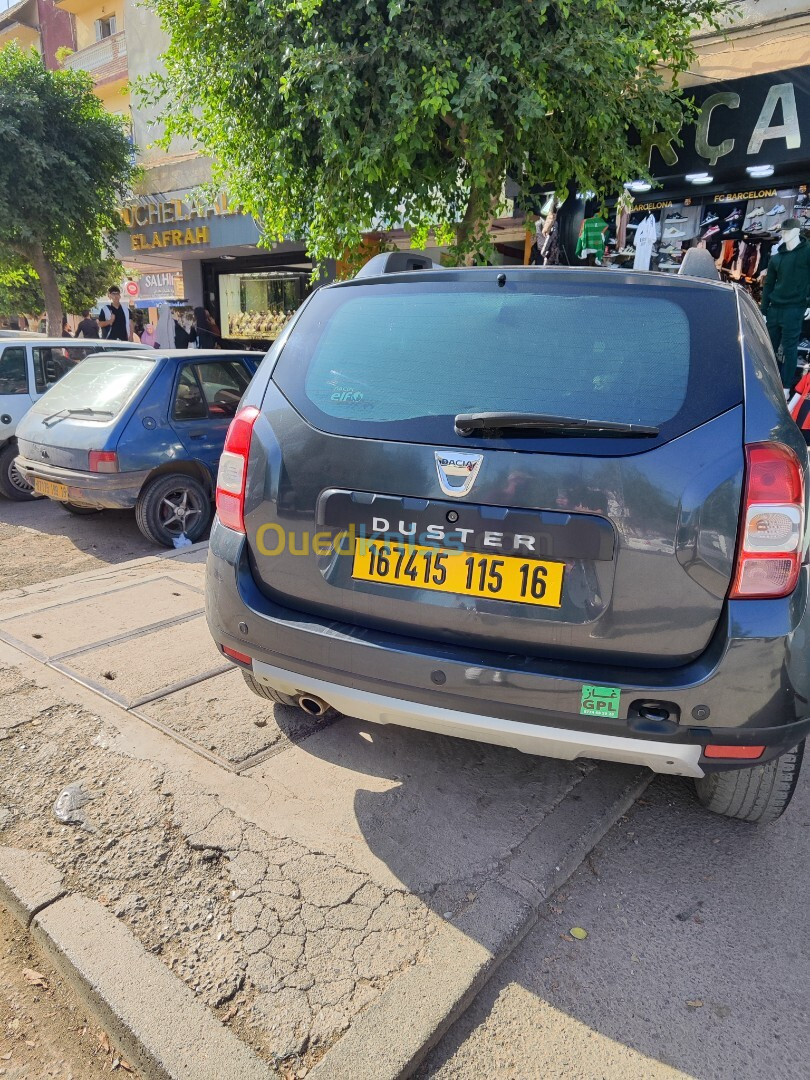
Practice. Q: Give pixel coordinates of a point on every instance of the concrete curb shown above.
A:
(392, 1037)
(154, 1019)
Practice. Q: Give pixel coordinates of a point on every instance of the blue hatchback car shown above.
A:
(146, 432)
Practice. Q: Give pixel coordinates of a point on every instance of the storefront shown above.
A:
(214, 251)
(253, 296)
(739, 172)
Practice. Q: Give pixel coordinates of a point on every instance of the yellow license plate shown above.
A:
(53, 491)
(468, 573)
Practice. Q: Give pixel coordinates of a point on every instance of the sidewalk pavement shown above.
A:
(334, 895)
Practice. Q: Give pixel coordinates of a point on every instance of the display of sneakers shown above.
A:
(673, 234)
(710, 220)
(775, 210)
(735, 215)
(731, 229)
(804, 345)
(669, 266)
(756, 227)
(713, 230)
(677, 218)
(671, 249)
(758, 211)
(802, 200)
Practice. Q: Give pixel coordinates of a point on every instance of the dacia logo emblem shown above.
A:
(457, 471)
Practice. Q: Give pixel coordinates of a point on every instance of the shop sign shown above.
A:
(764, 119)
(739, 196)
(661, 205)
(167, 238)
(165, 286)
(185, 216)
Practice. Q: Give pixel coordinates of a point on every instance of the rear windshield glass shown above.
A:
(400, 360)
(101, 384)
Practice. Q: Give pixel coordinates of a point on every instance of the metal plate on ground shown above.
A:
(81, 623)
(164, 660)
(224, 717)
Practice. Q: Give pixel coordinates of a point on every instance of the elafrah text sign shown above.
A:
(764, 119)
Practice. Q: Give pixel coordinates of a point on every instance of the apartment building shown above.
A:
(37, 24)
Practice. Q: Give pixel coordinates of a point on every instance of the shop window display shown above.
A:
(740, 235)
(258, 305)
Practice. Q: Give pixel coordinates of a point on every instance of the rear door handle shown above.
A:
(197, 434)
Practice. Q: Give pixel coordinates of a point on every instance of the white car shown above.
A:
(30, 365)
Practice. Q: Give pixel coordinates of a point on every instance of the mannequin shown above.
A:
(786, 296)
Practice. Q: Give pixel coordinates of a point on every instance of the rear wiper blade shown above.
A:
(62, 413)
(492, 423)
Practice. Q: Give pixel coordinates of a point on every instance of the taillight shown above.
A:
(233, 469)
(769, 551)
(103, 461)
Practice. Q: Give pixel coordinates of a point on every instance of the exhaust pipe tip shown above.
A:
(312, 705)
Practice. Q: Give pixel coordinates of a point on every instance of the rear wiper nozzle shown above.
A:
(491, 424)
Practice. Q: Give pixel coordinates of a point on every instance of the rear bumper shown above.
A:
(749, 688)
(107, 491)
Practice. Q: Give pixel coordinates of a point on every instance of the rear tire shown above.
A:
(758, 794)
(80, 511)
(267, 692)
(171, 506)
(12, 484)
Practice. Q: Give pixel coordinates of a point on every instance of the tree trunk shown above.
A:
(467, 225)
(47, 279)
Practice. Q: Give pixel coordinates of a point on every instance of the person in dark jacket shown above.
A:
(184, 332)
(87, 328)
(208, 335)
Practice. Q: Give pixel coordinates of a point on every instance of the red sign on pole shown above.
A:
(132, 288)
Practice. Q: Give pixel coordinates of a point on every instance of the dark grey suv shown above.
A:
(558, 510)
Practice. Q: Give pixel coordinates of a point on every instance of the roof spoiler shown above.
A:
(395, 262)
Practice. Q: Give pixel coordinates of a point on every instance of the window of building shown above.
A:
(105, 27)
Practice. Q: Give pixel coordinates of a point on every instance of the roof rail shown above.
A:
(395, 262)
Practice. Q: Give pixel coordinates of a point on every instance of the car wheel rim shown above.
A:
(179, 510)
(17, 481)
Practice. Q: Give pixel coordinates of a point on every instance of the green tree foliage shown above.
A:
(65, 166)
(79, 288)
(326, 117)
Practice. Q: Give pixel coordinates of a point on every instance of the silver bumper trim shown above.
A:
(680, 759)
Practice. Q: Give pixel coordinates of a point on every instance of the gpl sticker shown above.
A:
(600, 701)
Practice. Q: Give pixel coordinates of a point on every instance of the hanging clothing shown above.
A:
(646, 235)
(592, 237)
(621, 229)
(550, 251)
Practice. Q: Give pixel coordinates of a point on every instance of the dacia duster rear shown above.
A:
(557, 510)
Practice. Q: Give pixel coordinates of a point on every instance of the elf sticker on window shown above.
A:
(600, 700)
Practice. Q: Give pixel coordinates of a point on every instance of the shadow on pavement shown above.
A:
(697, 958)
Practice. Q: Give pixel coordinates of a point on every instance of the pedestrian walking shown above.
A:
(208, 335)
(114, 318)
(185, 334)
(87, 328)
(148, 336)
(65, 329)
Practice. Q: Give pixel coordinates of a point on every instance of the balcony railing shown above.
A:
(104, 60)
